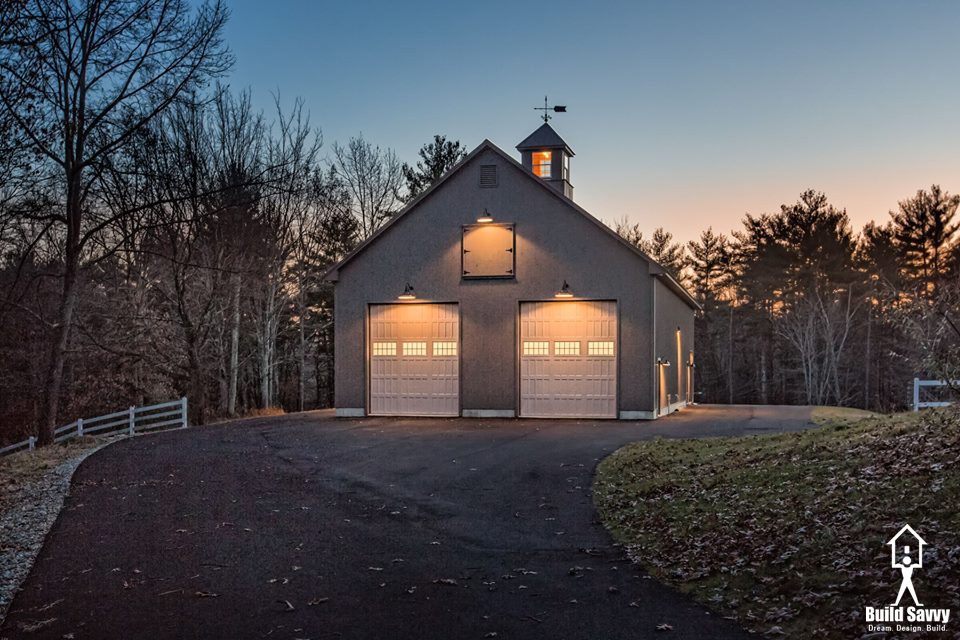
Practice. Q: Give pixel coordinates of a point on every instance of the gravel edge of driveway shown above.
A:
(25, 527)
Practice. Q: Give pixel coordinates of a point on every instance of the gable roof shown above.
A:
(657, 271)
(544, 138)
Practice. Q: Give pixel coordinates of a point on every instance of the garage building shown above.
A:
(493, 294)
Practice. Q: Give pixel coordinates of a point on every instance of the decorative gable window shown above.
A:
(541, 163)
(488, 250)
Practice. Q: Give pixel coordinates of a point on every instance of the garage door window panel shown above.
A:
(566, 348)
(381, 349)
(536, 348)
(444, 349)
(414, 348)
(604, 348)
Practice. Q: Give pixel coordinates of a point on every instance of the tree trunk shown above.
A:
(198, 398)
(234, 365)
(68, 302)
(58, 353)
(302, 381)
(331, 372)
(764, 395)
(730, 359)
(866, 375)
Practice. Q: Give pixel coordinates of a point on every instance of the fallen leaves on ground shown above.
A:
(447, 581)
(788, 532)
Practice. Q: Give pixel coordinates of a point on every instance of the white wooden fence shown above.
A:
(132, 420)
(917, 383)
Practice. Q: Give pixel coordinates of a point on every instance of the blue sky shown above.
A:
(681, 114)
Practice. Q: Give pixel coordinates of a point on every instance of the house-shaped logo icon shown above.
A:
(901, 547)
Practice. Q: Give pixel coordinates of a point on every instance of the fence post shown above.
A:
(132, 420)
(916, 394)
(31, 442)
(183, 412)
(79, 427)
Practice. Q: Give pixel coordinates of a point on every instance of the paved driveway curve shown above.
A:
(309, 527)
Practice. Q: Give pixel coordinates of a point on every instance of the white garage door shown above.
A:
(414, 359)
(568, 359)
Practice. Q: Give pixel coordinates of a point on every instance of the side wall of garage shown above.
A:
(673, 314)
(554, 243)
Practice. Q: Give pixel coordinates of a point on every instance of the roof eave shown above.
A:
(677, 288)
(536, 147)
(333, 273)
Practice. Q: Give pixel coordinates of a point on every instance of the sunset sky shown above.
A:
(681, 114)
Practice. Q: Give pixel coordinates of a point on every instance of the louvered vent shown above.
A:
(488, 176)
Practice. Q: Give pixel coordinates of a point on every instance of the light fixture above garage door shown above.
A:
(564, 292)
(408, 293)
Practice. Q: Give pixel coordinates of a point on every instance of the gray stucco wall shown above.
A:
(554, 242)
(672, 313)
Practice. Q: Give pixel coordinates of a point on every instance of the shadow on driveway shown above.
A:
(305, 526)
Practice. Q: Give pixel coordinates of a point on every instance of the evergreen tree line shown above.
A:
(800, 309)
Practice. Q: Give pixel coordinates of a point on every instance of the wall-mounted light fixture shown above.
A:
(407, 294)
(564, 292)
(485, 216)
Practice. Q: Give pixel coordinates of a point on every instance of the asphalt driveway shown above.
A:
(309, 527)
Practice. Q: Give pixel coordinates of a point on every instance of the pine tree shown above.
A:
(709, 263)
(923, 230)
(666, 252)
(436, 158)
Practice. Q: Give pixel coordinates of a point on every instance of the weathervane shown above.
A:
(547, 109)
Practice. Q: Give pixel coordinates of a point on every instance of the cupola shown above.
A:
(546, 154)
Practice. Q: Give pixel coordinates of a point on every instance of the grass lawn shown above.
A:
(787, 532)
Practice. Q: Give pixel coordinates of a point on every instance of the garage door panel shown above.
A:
(567, 380)
(420, 379)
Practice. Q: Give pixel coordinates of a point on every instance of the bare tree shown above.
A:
(288, 215)
(240, 145)
(79, 79)
(373, 177)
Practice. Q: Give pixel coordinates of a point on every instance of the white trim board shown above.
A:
(489, 413)
(638, 415)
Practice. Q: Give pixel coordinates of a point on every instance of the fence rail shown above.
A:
(918, 383)
(132, 420)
